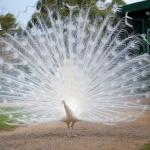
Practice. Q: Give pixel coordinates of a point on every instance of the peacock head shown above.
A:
(63, 101)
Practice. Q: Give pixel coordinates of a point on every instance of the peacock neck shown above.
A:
(68, 111)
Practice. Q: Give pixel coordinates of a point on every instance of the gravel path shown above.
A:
(90, 136)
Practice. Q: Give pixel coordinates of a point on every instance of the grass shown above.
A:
(7, 117)
(146, 147)
(4, 125)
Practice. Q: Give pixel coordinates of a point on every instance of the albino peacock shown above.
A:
(70, 118)
(94, 66)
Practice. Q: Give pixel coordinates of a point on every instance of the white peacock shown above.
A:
(94, 67)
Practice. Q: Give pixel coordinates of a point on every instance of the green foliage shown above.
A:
(3, 125)
(146, 147)
(19, 31)
(6, 118)
(64, 11)
(7, 121)
(8, 23)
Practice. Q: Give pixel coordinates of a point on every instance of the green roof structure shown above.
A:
(135, 7)
(140, 14)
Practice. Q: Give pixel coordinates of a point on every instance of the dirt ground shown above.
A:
(90, 136)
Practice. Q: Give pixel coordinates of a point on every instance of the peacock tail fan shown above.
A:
(94, 66)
